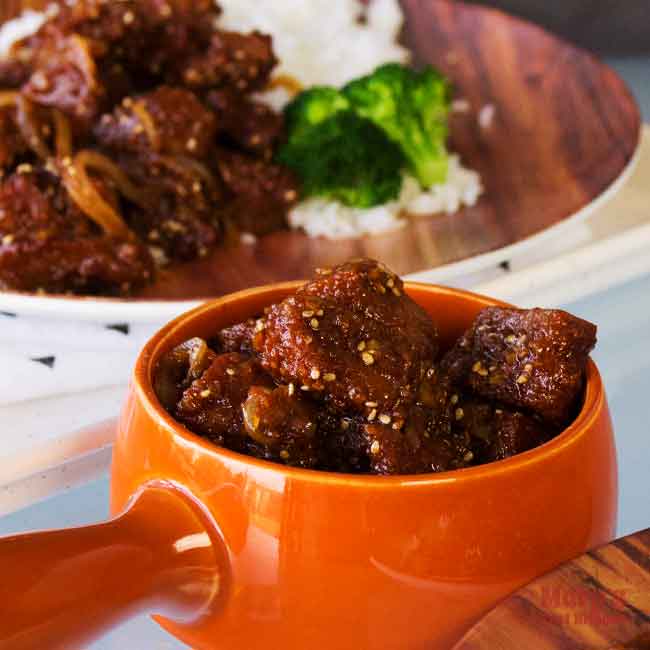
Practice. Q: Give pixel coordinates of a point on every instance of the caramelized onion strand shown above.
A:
(83, 192)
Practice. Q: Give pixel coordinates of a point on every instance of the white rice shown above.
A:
(18, 28)
(322, 42)
(321, 218)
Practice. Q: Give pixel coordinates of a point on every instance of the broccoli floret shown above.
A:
(411, 108)
(312, 107)
(346, 158)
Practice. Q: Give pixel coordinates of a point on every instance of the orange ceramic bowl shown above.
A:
(309, 559)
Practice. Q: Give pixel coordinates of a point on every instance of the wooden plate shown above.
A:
(564, 129)
(599, 601)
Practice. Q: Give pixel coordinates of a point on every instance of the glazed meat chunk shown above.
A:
(240, 61)
(282, 426)
(495, 432)
(47, 243)
(178, 368)
(178, 220)
(344, 443)
(171, 121)
(212, 405)
(352, 338)
(66, 77)
(12, 145)
(530, 359)
(13, 73)
(245, 123)
(237, 338)
(417, 448)
(261, 193)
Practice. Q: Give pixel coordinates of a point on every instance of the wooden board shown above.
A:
(598, 601)
(564, 128)
(607, 26)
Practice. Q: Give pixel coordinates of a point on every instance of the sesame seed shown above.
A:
(320, 312)
(8, 239)
(291, 389)
(397, 292)
(528, 367)
(329, 376)
(498, 411)
(307, 314)
(381, 288)
(25, 168)
(460, 414)
(259, 325)
(290, 195)
(138, 129)
(522, 379)
(468, 456)
(314, 324)
(345, 425)
(324, 271)
(372, 415)
(284, 454)
(367, 358)
(482, 372)
(305, 388)
(206, 393)
(398, 425)
(239, 55)
(362, 346)
(374, 447)
(384, 419)
(454, 399)
(192, 144)
(165, 11)
(510, 339)
(128, 17)
(431, 372)
(371, 404)
(315, 373)
(477, 366)
(230, 371)
(196, 187)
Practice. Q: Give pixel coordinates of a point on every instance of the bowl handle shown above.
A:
(60, 589)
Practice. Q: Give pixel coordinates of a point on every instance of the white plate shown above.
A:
(109, 310)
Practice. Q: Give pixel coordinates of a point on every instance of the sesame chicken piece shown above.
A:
(282, 425)
(13, 73)
(261, 193)
(247, 124)
(178, 368)
(171, 121)
(496, 432)
(353, 339)
(179, 220)
(12, 145)
(212, 405)
(48, 244)
(237, 338)
(240, 61)
(530, 359)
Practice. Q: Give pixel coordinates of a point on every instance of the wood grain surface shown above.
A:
(598, 601)
(606, 26)
(564, 128)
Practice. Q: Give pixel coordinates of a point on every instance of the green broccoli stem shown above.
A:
(430, 170)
